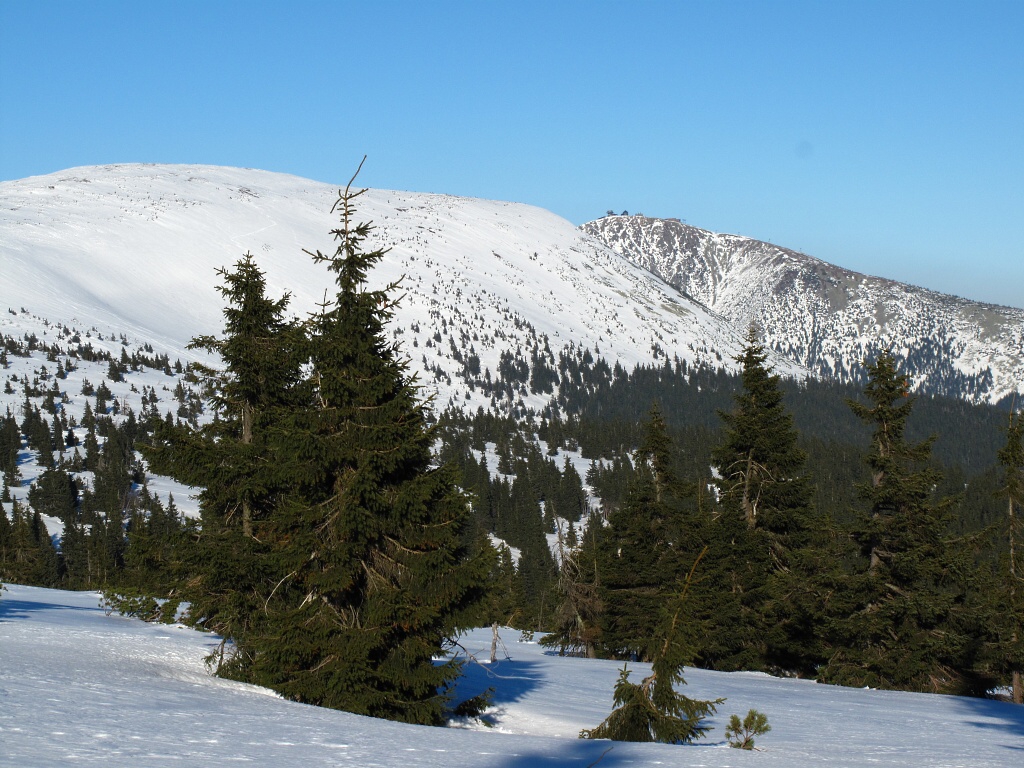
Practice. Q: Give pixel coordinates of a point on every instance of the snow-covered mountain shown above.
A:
(828, 318)
(133, 249)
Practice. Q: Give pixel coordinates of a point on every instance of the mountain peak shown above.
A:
(827, 318)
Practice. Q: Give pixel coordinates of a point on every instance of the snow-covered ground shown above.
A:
(79, 687)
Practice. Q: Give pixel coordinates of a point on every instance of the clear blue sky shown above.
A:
(887, 137)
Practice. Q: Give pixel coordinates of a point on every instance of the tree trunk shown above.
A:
(247, 439)
(1018, 691)
(749, 512)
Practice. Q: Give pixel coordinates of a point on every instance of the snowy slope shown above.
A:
(79, 687)
(128, 393)
(133, 248)
(828, 318)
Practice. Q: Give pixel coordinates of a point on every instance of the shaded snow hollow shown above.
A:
(79, 687)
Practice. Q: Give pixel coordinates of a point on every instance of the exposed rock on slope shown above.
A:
(828, 318)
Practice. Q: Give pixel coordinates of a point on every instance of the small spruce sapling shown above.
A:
(741, 735)
(653, 710)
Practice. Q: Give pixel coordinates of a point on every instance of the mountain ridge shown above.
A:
(137, 246)
(826, 317)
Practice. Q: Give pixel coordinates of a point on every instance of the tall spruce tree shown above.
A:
(900, 617)
(376, 574)
(759, 461)
(760, 555)
(650, 542)
(1011, 641)
(233, 459)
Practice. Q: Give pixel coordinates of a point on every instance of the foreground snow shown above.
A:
(80, 687)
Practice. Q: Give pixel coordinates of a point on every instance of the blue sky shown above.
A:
(882, 136)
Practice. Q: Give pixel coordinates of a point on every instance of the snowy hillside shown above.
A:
(79, 686)
(140, 390)
(828, 318)
(133, 248)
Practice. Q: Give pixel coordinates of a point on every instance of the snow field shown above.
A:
(80, 687)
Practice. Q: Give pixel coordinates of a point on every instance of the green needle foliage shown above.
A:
(370, 539)
(333, 555)
(235, 460)
(653, 710)
(648, 543)
(741, 734)
(901, 616)
(761, 541)
(1011, 595)
(760, 464)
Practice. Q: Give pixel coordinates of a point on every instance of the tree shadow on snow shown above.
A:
(511, 680)
(1002, 717)
(581, 753)
(12, 608)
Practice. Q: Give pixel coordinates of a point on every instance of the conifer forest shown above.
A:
(678, 514)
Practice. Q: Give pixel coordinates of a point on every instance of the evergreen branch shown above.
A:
(322, 664)
(266, 603)
(682, 597)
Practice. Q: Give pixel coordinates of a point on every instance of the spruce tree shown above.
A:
(759, 461)
(30, 554)
(501, 605)
(54, 494)
(900, 617)
(153, 562)
(232, 458)
(10, 444)
(1011, 618)
(376, 575)
(649, 543)
(6, 540)
(760, 556)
